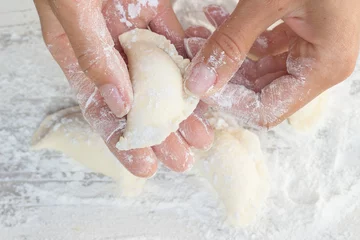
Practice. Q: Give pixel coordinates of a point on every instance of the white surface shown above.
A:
(315, 178)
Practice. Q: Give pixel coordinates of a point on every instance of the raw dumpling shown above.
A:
(160, 104)
(306, 118)
(236, 169)
(234, 165)
(68, 132)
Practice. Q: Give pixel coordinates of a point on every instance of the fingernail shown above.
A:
(113, 99)
(200, 80)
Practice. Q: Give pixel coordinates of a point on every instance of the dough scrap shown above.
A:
(68, 132)
(235, 167)
(310, 115)
(160, 103)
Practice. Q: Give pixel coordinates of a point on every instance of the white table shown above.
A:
(47, 196)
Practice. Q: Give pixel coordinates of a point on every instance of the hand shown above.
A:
(82, 36)
(315, 48)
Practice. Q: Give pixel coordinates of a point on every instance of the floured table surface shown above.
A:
(315, 178)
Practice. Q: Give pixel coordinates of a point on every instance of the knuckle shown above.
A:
(230, 44)
(93, 64)
(64, 6)
(52, 41)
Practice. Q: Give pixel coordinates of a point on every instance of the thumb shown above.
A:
(226, 49)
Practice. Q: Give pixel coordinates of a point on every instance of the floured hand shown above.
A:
(315, 48)
(82, 36)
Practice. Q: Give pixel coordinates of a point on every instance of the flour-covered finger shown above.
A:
(193, 45)
(256, 75)
(197, 131)
(226, 49)
(272, 104)
(140, 162)
(216, 14)
(272, 42)
(94, 49)
(197, 31)
(96, 112)
(175, 153)
(167, 24)
(271, 64)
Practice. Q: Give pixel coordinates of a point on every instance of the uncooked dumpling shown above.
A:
(236, 169)
(68, 132)
(160, 104)
(307, 117)
(234, 165)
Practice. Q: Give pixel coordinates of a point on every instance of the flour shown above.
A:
(135, 9)
(122, 13)
(315, 186)
(262, 41)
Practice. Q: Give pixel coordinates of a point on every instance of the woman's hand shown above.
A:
(315, 48)
(82, 36)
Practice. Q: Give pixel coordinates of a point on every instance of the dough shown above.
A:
(68, 132)
(310, 115)
(235, 167)
(160, 104)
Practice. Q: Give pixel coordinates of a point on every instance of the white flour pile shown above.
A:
(315, 177)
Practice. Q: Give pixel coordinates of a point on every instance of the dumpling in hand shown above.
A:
(160, 103)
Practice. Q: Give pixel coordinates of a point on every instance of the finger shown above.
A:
(193, 45)
(95, 110)
(253, 75)
(226, 49)
(202, 108)
(197, 131)
(216, 14)
(276, 101)
(93, 47)
(175, 153)
(140, 162)
(273, 42)
(246, 73)
(167, 24)
(271, 64)
(50, 26)
(261, 82)
(266, 109)
(197, 31)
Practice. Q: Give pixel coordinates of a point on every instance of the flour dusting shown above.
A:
(315, 186)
